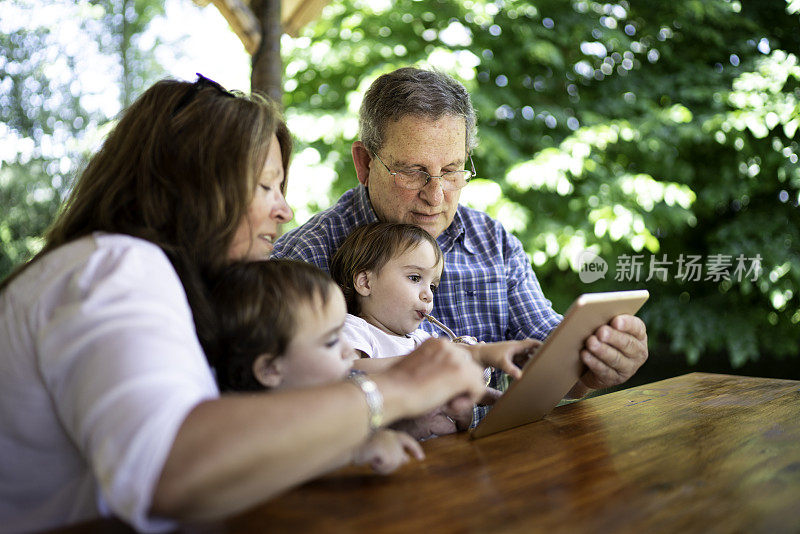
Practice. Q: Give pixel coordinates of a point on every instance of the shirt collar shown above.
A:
(364, 212)
(457, 231)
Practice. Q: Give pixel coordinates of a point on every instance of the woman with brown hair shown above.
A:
(107, 403)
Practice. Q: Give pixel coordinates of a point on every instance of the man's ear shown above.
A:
(361, 283)
(361, 159)
(268, 370)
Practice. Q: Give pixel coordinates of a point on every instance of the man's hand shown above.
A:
(613, 353)
(435, 423)
(454, 416)
(461, 412)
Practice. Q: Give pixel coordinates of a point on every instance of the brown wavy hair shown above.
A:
(369, 248)
(257, 305)
(179, 169)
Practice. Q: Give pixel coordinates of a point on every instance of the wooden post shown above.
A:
(267, 75)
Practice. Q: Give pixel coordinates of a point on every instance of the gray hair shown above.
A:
(412, 91)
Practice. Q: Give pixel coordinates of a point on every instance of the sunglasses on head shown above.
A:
(201, 83)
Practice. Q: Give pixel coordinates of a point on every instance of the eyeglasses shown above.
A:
(417, 179)
(199, 84)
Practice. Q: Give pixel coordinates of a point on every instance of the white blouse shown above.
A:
(99, 366)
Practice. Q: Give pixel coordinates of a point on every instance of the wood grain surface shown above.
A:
(695, 453)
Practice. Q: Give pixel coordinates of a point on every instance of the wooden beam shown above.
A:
(241, 19)
(298, 13)
(246, 24)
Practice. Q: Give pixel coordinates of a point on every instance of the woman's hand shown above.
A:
(437, 372)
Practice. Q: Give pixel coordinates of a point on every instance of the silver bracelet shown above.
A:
(372, 395)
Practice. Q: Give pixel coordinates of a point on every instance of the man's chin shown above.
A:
(434, 229)
(433, 226)
(435, 232)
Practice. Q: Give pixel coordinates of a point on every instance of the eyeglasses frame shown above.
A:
(394, 174)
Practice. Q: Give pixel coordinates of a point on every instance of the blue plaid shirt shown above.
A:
(488, 289)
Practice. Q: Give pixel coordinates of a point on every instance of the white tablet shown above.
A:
(557, 366)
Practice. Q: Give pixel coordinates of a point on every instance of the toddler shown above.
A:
(280, 326)
(388, 273)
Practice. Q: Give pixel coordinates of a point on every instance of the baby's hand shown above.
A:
(505, 355)
(387, 450)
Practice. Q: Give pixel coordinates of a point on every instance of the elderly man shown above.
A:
(417, 128)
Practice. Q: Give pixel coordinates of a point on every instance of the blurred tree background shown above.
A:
(652, 132)
(53, 106)
(662, 130)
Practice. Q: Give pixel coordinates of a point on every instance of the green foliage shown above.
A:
(657, 129)
(51, 109)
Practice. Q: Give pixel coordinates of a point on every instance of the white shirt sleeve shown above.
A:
(118, 352)
(357, 332)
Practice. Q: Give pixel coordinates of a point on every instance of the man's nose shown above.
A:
(432, 192)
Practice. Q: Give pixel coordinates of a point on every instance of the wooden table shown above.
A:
(695, 453)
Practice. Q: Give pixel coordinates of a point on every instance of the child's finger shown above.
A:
(507, 365)
(381, 467)
(412, 446)
(528, 350)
